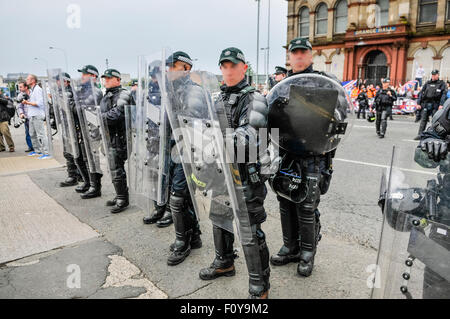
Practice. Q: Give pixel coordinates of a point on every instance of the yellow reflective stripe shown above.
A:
(198, 182)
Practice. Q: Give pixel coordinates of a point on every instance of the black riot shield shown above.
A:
(311, 112)
(87, 98)
(199, 125)
(414, 252)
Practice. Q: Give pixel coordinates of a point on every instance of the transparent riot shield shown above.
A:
(87, 98)
(107, 150)
(62, 109)
(414, 252)
(151, 136)
(199, 127)
(55, 94)
(312, 112)
(132, 143)
(54, 131)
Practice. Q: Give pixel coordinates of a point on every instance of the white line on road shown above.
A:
(386, 166)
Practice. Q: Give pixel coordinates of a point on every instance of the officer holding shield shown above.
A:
(313, 100)
(187, 229)
(114, 131)
(73, 173)
(88, 96)
(246, 111)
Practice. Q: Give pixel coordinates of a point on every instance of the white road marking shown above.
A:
(386, 166)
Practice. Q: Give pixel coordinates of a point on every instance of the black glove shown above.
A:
(435, 148)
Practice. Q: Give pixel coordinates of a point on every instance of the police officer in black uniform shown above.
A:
(246, 112)
(73, 174)
(300, 222)
(91, 187)
(384, 100)
(431, 98)
(279, 75)
(187, 229)
(363, 101)
(134, 86)
(429, 206)
(113, 114)
(161, 215)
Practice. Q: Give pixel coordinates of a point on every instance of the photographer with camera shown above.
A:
(36, 115)
(6, 113)
(23, 113)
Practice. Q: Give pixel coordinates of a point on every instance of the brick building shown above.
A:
(374, 39)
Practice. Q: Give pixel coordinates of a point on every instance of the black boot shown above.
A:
(122, 198)
(70, 181)
(223, 264)
(156, 214)
(183, 230)
(257, 260)
(308, 240)
(196, 240)
(86, 180)
(290, 251)
(166, 220)
(95, 189)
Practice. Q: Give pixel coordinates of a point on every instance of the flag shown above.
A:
(409, 84)
(348, 86)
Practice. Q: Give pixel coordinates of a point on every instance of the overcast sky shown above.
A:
(121, 30)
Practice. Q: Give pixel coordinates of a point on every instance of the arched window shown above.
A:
(340, 17)
(303, 22)
(428, 11)
(321, 19)
(382, 13)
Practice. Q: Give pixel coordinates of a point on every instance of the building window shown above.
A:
(382, 13)
(340, 17)
(428, 11)
(448, 10)
(303, 22)
(321, 19)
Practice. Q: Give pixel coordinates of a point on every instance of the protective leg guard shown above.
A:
(183, 230)
(157, 213)
(95, 189)
(122, 198)
(257, 260)
(223, 264)
(289, 252)
(84, 174)
(307, 219)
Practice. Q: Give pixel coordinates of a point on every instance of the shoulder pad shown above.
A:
(259, 111)
(124, 97)
(248, 89)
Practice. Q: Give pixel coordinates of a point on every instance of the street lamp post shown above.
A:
(266, 65)
(65, 56)
(268, 42)
(257, 44)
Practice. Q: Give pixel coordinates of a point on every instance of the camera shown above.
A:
(22, 97)
(18, 123)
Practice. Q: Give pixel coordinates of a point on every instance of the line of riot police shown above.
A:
(195, 148)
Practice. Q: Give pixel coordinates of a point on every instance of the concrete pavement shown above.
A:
(351, 223)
